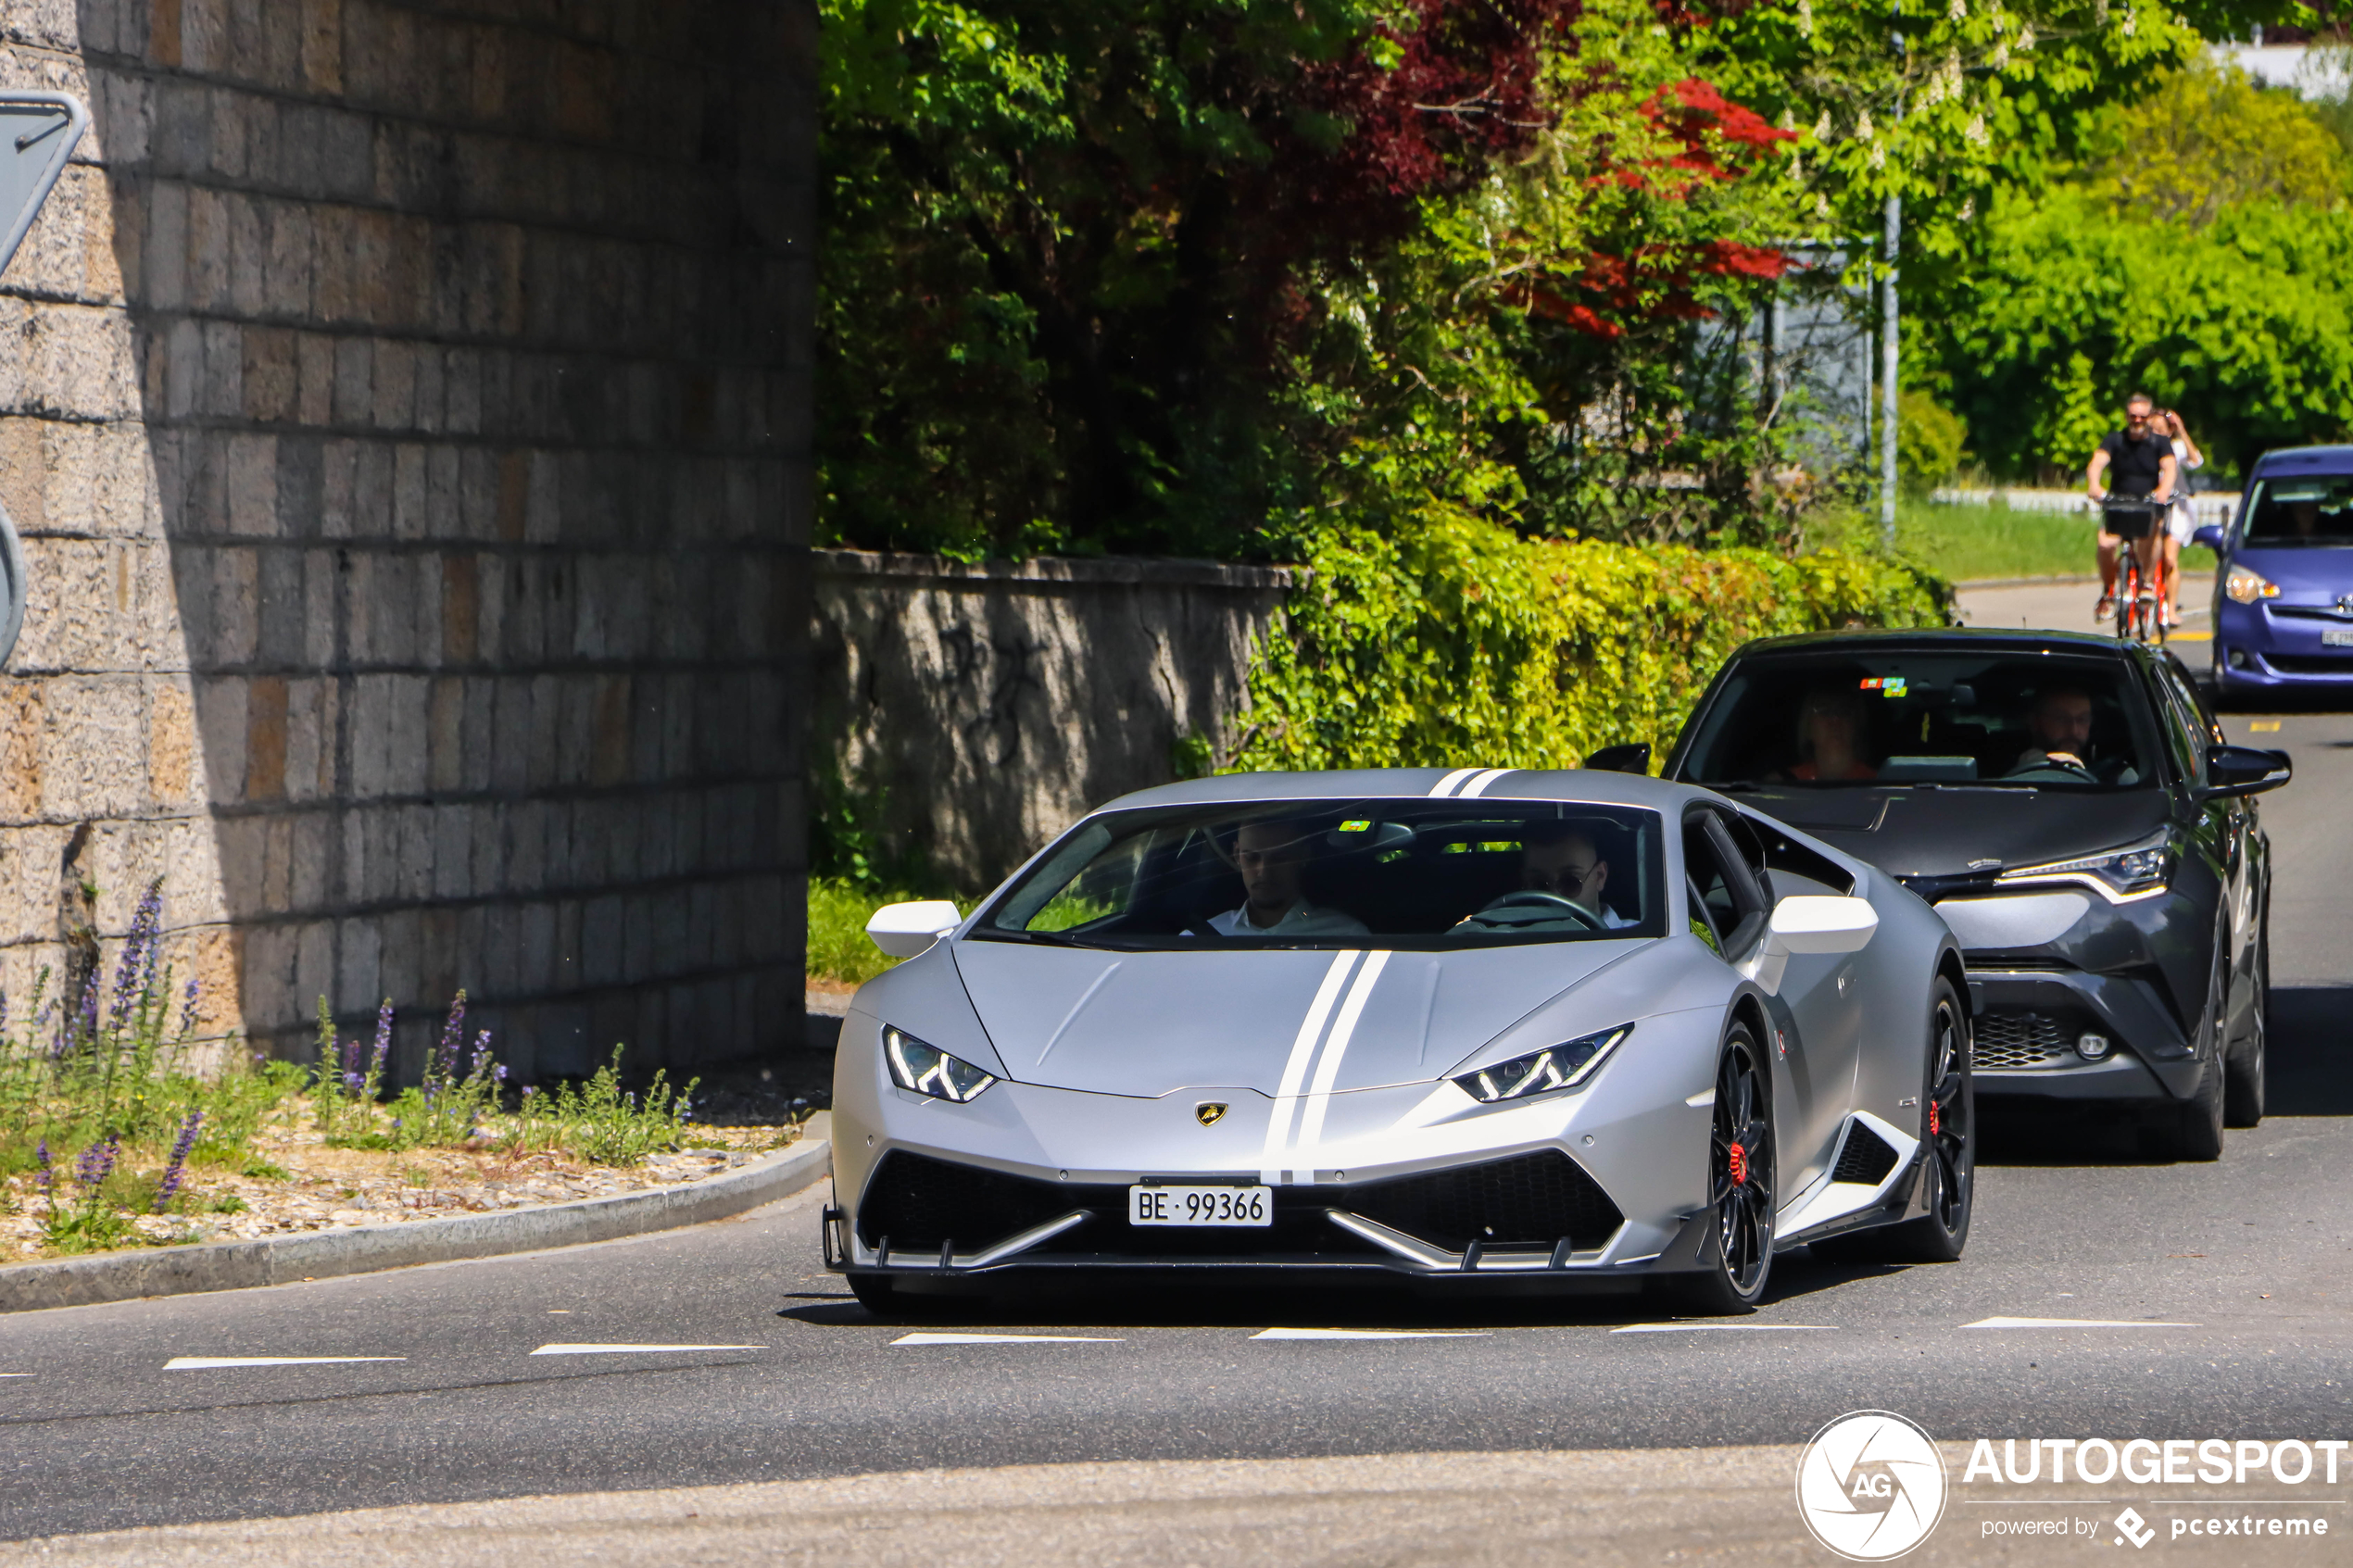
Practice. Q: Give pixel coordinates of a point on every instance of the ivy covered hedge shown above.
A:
(1452, 642)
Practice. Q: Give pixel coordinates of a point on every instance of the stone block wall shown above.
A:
(405, 406)
(973, 713)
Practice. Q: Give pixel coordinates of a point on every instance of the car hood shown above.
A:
(2306, 574)
(1951, 833)
(1150, 1024)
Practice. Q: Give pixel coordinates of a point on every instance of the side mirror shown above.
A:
(1810, 923)
(1634, 758)
(2243, 770)
(905, 929)
(2208, 534)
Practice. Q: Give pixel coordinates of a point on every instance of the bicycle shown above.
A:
(2132, 518)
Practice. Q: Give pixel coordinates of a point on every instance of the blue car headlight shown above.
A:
(1565, 1066)
(928, 1070)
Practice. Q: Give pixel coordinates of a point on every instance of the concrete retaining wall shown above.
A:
(406, 407)
(977, 711)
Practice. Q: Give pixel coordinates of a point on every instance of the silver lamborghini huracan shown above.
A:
(1550, 1029)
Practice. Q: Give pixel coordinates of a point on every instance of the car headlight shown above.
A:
(2138, 872)
(1565, 1066)
(928, 1070)
(2246, 587)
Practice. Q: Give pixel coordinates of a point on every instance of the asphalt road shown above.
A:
(2233, 1283)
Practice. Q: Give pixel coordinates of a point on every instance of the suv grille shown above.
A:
(2012, 1041)
(1865, 1159)
(1529, 1201)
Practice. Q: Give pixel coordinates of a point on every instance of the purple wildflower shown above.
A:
(352, 1083)
(188, 1008)
(453, 1035)
(384, 1039)
(180, 1148)
(96, 1162)
(136, 971)
(48, 1171)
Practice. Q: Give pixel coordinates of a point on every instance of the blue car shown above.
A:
(2284, 595)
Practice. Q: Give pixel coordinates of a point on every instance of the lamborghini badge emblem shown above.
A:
(1208, 1111)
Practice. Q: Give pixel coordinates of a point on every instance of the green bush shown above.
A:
(1452, 641)
(838, 909)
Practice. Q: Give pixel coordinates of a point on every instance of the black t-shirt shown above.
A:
(2134, 467)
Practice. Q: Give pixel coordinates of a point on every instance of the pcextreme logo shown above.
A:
(1870, 1485)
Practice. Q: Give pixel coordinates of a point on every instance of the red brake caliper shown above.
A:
(1740, 1165)
(1934, 1122)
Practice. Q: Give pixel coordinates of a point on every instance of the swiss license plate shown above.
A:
(2337, 638)
(1201, 1206)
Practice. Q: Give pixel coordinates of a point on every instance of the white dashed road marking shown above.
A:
(203, 1363)
(1749, 1328)
(2073, 1323)
(1370, 1334)
(1002, 1339)
(632, 1350)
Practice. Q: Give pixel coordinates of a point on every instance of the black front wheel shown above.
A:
(1948, 1129)
(2243, 1075)
(1739, 1186)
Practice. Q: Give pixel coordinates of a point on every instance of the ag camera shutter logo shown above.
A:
(1870, 1485)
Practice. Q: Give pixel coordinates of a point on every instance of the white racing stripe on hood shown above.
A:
(1303, 1052)
(1445, 785)
(1319, 1097)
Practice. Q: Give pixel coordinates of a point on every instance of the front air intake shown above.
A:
(1529, 1201)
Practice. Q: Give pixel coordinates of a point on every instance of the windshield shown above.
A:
(2308, 509)
(1342, 873)
(1924, 720)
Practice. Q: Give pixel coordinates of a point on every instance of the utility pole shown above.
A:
(1888, 366)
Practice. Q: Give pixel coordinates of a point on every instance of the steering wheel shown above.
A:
(2065, 767)
(1529, 908)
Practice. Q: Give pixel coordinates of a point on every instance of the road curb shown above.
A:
(240, 1265)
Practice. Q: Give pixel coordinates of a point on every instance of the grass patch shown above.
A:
(838, 909)
(1966, 543)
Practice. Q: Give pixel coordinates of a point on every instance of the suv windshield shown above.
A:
(2306, 509)
(1865, 718)
(1340, 874)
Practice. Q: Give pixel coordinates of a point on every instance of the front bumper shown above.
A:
(2275, 647)
(2028, 1022)
(1534, 1216)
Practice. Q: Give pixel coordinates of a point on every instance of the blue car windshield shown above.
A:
(1876, 720)
(2301, 510)
(1411, 873)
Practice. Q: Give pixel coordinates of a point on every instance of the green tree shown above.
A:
(2211, 139)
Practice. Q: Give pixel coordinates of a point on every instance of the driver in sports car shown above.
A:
(1270, 856)
(1560, 858)
(2060, 723)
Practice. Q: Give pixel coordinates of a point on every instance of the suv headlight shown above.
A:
(2246, 587)
(928, 1070)
(1565, 1066)
(2140, 871)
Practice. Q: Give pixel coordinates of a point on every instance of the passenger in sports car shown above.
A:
(1561, 858)
(2059, 722)
(1271, 856)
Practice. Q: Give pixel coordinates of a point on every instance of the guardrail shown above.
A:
(2215, 506)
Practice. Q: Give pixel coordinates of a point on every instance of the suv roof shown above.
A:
(1988, 639)
(2325, 459)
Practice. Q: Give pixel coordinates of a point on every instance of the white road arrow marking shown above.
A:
(2073, 1323)
(203, 1364)
(1002, 1339)
(1370, 1334)
(632, 1350)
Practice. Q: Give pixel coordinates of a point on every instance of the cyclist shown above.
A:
(2181, 521)
(2144, 469)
